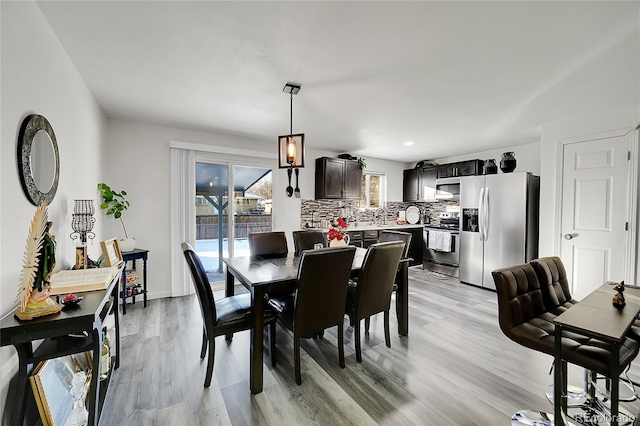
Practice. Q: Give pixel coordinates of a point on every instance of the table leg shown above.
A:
(25, 351)
(557, 378)
(144, 280)
(124, 289)
(94, 388)
(615, 381)
(402, 299)
(255, 363)
(229, 290)
(116, 314)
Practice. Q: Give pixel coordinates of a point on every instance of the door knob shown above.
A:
(570, 236)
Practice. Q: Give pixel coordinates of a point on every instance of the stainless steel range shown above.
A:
(441, 246)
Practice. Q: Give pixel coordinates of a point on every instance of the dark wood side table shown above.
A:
(133, 256)
(596, 317)
(87, 317)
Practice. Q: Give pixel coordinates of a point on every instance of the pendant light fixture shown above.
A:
(291, 147)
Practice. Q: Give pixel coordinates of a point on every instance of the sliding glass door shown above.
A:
(233, 199)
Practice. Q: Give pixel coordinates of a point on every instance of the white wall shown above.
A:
(39, 78)
(139, 154)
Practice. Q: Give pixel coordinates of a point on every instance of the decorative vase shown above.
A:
(340, 243)
(127, 244)
(490, 167)
(508, 162)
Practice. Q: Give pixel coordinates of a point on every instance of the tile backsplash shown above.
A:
(313, 212)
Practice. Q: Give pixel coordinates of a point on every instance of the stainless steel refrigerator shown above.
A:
(498, 224)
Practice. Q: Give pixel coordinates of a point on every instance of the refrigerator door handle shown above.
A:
(481, 215)
(486, 214)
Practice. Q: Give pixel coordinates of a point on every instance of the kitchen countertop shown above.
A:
(370, 227)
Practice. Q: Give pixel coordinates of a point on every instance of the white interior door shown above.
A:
(594, 210)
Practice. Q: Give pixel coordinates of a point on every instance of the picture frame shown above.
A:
(51, 385)
(111, 252)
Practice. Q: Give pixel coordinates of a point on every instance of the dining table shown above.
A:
(264, 275)
(595, 316)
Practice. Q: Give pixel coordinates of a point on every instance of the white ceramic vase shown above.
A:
(340, 243)
(127, 244)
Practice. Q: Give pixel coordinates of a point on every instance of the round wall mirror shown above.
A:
(38, 159)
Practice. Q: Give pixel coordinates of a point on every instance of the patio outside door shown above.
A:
(232, 200)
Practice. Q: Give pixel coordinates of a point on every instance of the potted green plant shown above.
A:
(115, 203)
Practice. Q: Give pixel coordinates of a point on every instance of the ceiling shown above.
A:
(453, 77)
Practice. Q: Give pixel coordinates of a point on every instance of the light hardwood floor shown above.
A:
(455, 368)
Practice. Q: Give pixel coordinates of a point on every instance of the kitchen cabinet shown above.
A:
(337, 178)
(370, 236)
(355, 238)
(415, 247)
(462, 168)
(419, 184)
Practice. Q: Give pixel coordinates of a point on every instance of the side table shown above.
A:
(133, 256)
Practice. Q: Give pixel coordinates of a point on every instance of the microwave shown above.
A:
(448, 188)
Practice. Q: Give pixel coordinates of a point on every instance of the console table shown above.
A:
(133, 256)
(54, 330)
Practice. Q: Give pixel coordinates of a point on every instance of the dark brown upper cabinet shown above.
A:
(462, 168)
(337, 178)
(419, 185)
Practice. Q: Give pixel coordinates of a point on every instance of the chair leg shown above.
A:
(387, 336)
(296, 359)
(341, 345)
(203, 351)
(272, 343)
(367, 321)
(212, 357)
(356, 337)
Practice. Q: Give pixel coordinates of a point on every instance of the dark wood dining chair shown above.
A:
(225, 316)
(268, 244)
(388, 235)
(371, 294)
(306, 239)
(319, 298)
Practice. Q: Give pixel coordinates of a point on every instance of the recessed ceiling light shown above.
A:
(408, 143)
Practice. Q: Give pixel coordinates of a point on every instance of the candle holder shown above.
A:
(82, 223)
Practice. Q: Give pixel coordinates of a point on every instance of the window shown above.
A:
(373, 190)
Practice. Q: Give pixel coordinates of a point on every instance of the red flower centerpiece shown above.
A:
(337, 234)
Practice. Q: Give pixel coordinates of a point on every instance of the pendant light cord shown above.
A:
(291, 116)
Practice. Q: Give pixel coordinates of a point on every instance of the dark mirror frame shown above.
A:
(30, 126)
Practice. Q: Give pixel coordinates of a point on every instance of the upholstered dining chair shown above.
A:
(225, 316)
(389, 235)
(307, 239)
(319, 298)
(268, 244)
(371, 294)
(526, 319)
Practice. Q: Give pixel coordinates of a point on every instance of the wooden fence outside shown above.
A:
(245, 224)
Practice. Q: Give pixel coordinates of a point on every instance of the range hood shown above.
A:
(448, 189)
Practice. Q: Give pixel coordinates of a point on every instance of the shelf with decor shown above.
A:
(130, 282)
(58, 335)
